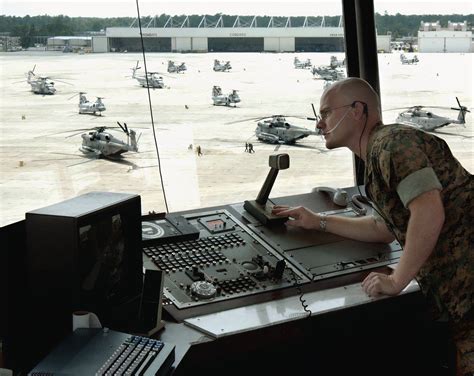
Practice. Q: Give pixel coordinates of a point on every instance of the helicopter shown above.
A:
(276, 130)
(405, 60)
(221, 99)
(334, 63)
(86, 107)
(154, 81)
(416, 117)
(41, 84)
(301, 64)
(174, 68)
(221, 67)
(328, 73)
(101, 144)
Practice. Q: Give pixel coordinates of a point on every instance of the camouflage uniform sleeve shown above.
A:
(416, 183)
(406, 167)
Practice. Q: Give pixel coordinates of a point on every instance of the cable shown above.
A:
(151, 110)
(300, 292)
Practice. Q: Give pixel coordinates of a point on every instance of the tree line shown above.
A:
(29, 28)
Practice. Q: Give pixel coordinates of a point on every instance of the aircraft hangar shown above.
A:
(227, 34)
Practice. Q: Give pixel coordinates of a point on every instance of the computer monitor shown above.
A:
(85, 254)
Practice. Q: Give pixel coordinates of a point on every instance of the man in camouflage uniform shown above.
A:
(423, 198)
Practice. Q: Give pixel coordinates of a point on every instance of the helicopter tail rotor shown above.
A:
(32, 72)
(124, 128)
(462, 111)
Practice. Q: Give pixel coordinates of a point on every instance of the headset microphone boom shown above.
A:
(337, 125)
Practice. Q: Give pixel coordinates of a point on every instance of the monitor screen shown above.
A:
(102, 262)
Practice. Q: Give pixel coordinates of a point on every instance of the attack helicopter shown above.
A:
(176, 68)
(154, 81)
(86, 107)
(220, 99)
(276, 130)
(417, 117)
(99, 143)
(221, 67)
(405, 60)
(41, 84)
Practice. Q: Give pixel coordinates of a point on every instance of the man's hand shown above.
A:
(302, 217)
(376, 284)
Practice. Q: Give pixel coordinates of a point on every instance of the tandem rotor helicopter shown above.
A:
(99, 143)
(328, 73)
(176, 68)
(86, 107)
(154, 81)
(41, 84)
(301, 64)
(221, 66)
(276, 130)
(417, 117)
(405, 60)
(335, 63)
(220, 99)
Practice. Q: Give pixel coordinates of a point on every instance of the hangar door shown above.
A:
(134, 44)
(235, 44)
(319, 44)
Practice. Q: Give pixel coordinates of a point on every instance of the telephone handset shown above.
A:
(340, 198)
(356, 204)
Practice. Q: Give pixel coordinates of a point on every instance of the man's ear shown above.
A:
(360, 109)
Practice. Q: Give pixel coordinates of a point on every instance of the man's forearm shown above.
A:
(366, 229)
(424, 227)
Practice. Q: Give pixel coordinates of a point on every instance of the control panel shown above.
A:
(227, 261)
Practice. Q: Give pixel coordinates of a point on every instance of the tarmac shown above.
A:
(41, 135)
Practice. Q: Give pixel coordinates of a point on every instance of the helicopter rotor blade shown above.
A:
(32, 71)
(121, 126)
(248, 119)
(399, 108)
(267, 117)
(459, 103)
(439, 107)
(75, 134)
(463, 111)
(75, 95)
(64, 82)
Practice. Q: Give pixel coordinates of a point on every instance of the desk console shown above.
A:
(227, 261)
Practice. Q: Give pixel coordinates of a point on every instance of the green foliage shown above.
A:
(29, 27)
(402, 25)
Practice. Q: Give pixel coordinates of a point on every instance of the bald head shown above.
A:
(356, 89)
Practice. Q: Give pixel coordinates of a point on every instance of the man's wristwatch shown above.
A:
(322, 221)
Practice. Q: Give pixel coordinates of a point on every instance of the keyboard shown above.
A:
(103, 352)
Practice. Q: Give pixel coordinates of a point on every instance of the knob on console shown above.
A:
(203, 289)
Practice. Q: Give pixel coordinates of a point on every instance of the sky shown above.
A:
(127, 8)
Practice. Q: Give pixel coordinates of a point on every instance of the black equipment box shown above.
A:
(160, 228)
